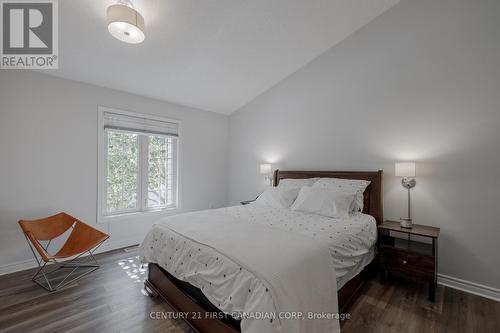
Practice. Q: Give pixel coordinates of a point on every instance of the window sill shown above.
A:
(134, 215)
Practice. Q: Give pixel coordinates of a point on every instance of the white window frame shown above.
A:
(142, 188)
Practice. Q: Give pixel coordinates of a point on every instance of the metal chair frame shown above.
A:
(44, 267)
(40, 273)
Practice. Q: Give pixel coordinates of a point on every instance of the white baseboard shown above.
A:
(17, 266)
(469, 287)
(31, 263)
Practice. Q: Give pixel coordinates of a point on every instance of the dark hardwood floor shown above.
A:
(111, 300)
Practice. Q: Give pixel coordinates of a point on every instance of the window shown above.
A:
(137, 163)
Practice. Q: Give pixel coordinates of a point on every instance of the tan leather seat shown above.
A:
(82, 238)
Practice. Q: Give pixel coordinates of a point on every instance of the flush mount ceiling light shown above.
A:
(125, 23)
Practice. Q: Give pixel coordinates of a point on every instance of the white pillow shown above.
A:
(296, 183)
(323, 202)
(355, 186)
(278, 197)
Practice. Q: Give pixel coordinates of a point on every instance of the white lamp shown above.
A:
(125, 23)
(408, 172)
(266, 169)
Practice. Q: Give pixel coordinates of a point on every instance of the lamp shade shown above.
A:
(125, 23)
(265, 169)
(405, 169)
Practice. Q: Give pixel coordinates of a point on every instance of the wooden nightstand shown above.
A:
(407, 257)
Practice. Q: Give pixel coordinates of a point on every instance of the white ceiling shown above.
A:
(215, 55)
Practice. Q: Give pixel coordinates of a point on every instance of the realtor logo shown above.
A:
(29, 35)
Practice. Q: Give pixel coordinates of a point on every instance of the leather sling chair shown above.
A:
(82, 239)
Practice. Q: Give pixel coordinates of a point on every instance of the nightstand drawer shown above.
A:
(406, 261)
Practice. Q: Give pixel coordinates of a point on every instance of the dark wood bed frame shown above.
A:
(185, 298)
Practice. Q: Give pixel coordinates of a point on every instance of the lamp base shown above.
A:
(408, 182)
(406, 223)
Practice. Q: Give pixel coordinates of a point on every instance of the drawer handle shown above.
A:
(405, 262)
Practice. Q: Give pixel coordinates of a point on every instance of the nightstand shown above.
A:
(407, 257)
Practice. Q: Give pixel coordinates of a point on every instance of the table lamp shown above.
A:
(407, 171)
(265, 169)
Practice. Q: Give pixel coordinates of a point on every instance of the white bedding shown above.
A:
(351, 240)
(237, 287)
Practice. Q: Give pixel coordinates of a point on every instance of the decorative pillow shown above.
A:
(324, 202)
(355, 186)
(296, 183)
(278, 197)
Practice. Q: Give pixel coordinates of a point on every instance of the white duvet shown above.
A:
(264, 264)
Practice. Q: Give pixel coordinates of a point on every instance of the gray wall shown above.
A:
(48, 156)
(421, 82)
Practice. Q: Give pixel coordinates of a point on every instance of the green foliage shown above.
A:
(123, 157)
(157, 177)
(124, 174)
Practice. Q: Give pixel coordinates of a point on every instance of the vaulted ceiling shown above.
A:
(215, 55)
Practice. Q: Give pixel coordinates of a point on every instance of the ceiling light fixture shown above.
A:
(125, 23)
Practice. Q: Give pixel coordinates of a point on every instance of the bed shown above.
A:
(205, 304)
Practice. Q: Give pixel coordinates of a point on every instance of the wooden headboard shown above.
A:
(372, 195)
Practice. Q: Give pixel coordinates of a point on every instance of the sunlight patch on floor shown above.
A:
(135, 270)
